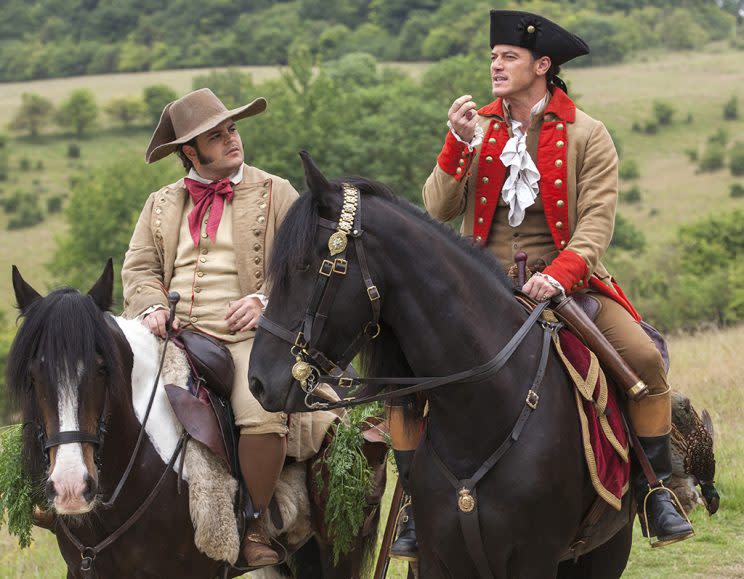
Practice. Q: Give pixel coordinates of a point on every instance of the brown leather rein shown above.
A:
(313, 367)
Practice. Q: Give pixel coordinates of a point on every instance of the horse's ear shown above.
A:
(25, 295)
(102, 291)
(319, 186)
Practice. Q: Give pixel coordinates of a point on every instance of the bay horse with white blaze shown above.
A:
(82, 378)
(420, 301)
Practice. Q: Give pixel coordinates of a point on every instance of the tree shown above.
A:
(79, 111)
(126, 110)
(155, 97)
(34, 113)
(3, 157)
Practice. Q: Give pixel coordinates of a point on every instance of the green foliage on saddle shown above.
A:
(349, 478)
(16, 490)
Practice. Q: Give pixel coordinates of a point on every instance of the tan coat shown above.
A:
(148, 264)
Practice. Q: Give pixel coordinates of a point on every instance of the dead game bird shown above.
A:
(693, 461)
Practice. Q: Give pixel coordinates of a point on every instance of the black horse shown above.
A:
(75, 371)
(433, 305)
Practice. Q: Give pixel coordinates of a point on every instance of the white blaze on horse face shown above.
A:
(70, 475)
(162, 428)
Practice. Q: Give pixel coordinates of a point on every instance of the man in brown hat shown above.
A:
(531, 172)
(207, 236)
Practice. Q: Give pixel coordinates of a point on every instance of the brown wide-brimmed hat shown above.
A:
(190, 116)
(535, 33)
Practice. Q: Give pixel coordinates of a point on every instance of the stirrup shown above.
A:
(664, 542)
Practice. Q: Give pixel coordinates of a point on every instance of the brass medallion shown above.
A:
(337, 242)
(465, 501)
(301, 371)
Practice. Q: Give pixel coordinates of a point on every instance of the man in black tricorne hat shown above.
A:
(531, 172)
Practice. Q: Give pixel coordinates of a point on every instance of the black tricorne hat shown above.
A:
(537, 34)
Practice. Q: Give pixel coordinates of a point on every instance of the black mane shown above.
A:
(63, 326)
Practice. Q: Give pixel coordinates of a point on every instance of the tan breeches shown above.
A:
(652, 416)
(250, 416)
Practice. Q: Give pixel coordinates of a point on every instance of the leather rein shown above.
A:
(313, 367)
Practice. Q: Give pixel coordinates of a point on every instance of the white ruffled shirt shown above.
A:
(521, 186)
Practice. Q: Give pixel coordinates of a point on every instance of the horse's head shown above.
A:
(323, 303)
(62, 369)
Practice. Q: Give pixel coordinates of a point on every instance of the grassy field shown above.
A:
(705, 367)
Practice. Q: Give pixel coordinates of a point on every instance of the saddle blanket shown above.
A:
(603, 433)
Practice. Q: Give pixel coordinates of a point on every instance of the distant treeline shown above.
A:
(53, 38)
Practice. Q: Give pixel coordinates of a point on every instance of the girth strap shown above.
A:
(466, 488)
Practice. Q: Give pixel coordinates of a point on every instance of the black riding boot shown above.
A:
(405, 546)
(664, 521)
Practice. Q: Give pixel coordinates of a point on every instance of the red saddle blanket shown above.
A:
(603, 432)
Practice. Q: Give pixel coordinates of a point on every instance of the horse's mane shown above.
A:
(296, 237)
(63, 326)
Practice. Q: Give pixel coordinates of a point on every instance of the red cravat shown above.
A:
(204, 196)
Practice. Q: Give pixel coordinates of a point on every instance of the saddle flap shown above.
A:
(210, 359)
(199, 420)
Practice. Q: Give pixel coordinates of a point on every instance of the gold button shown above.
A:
(489, 159)
(162, 199)
(581, 282)
(257, 247)
(484, 200)
(559, 224)
(256, 260)
(530, 29)
(158, 210)
(194, 319)
(139, 289)
(204, 251)
(563, 243)
(258, 285)
(262, 205)
(480, 220)
(560, 144)
(459, 170)
(462, 161)
(200, 273)
(261, 219)
(203, 259)
(197, 289)
(258, 273)
(479, 239)
(496, 127)
(265, 194)
(560, 203)
(485, 180)
(158, 234)
(157, 223)
(492, 140)
(558, 182)
(205, 235)
(558, 163)
(559, 126)
(257, 232)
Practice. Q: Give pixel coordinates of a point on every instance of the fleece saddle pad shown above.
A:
(603, 433)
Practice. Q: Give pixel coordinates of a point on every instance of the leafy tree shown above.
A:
(126, 110)
(34, 113)
(663, 112)
(79, 111)
(155, 97)
(736, 159)
(3, 157)
(731, 109)
(713, 157)
(233, 87)
(626, 236)
(111, 198)
(679, 30)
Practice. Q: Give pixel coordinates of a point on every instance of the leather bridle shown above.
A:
(313, 367)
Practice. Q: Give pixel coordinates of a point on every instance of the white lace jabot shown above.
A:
(521, 186)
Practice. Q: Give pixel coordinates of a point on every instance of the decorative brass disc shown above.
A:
(337, 242)
(465, 501)
(301, 371)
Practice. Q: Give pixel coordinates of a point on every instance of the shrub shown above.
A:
(13, 202)
(627, 236)
(29, 214)
(651, 127)
(736, 191)
(637, 127)
(54, 204)
(713, 157)
(692, 154)
(73, 151)
(736, 159)
(632, 195)
(24, 164)
(731, 109)
(629, 169)
(720, 137)
(664, 112)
